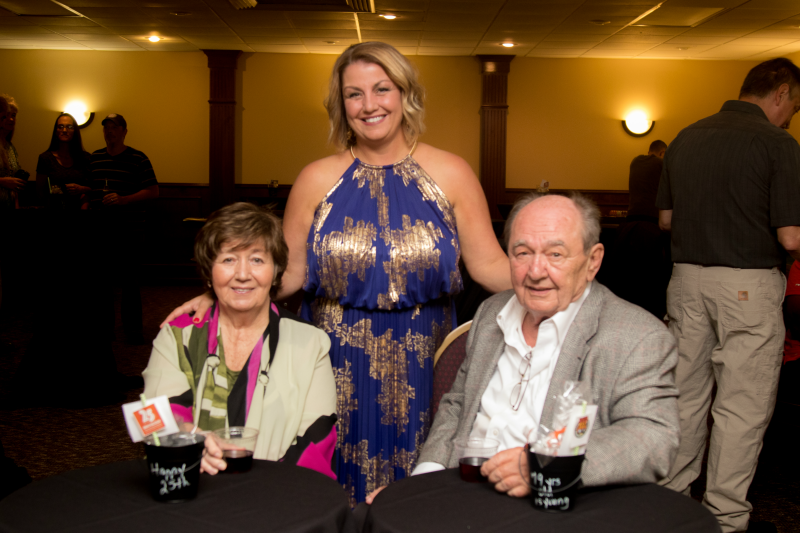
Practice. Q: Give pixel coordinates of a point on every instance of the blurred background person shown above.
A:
(214, 373)
(62, 172)
(375, 233)
(12, 176)
(729, 192)
(123, 186)
(640, 263)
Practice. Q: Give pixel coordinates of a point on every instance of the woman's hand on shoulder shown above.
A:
(200, 305)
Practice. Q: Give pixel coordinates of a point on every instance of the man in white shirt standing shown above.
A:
(558, 325)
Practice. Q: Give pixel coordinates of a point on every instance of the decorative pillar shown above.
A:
(494, 113)
(222, 131)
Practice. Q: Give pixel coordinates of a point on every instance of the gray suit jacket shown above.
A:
(626, 354)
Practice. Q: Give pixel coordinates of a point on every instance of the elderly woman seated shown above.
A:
(247, 363)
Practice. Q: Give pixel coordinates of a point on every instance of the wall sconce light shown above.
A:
(637, 125)
(78, 110)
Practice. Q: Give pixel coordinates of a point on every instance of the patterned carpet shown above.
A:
(53, 439)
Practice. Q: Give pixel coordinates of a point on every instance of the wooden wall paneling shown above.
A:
(606, 200)
(494, 116)
(222, 131)
(170, 240)
(169, 245)
(264, 195)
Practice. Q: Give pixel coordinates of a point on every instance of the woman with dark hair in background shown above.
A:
(12, 177)
(63, 169)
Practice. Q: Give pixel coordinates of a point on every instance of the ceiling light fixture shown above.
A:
(681, 47)
(600, 22)
(507, 45)
(636, 124)
(180, 13)
(388, 17)
(154, 39)
(331, 42)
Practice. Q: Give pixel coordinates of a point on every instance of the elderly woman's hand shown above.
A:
(213, 462)
(199, 305)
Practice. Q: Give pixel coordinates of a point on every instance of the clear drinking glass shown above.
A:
(238, 446)
(472, 454)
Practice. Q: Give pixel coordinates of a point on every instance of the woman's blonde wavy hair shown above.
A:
(400, 71)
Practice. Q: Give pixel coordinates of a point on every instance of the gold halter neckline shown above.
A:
(413, 147)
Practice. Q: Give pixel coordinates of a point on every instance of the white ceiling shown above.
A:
(676, 29)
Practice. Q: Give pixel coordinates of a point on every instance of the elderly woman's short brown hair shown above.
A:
(244, 224)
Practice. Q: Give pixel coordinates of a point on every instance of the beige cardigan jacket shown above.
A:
(300, 388)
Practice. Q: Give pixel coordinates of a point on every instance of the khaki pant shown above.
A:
(729, 329)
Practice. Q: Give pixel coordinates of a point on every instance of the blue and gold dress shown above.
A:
(383, 258)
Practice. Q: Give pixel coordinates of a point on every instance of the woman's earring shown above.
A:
(351, 136)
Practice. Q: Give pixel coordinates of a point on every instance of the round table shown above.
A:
(115, 497)
(440, 501)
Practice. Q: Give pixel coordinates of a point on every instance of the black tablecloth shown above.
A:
(440, 501)
(115, 498)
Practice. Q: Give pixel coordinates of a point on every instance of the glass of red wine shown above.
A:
(238, 444)
(472, 454)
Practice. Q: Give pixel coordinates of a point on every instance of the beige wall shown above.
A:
(281, 123)
(163, 96)
(563, 123)
(285, 126)
(564, 115)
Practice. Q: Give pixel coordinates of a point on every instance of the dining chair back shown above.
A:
(447, 361)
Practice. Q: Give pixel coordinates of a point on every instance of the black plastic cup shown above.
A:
(174, 466)
(554, 481)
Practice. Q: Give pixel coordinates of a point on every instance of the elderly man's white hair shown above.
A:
(587, 208)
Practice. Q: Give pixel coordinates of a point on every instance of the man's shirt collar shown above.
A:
(511, 316)
(741, 106)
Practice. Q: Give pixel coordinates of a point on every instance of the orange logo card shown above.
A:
(582, 426)
(149, 419)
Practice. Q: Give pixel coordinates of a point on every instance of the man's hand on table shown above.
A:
(503, 470)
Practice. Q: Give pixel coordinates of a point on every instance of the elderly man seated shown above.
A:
(569, 328)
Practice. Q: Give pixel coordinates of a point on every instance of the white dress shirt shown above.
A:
(496, 418)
